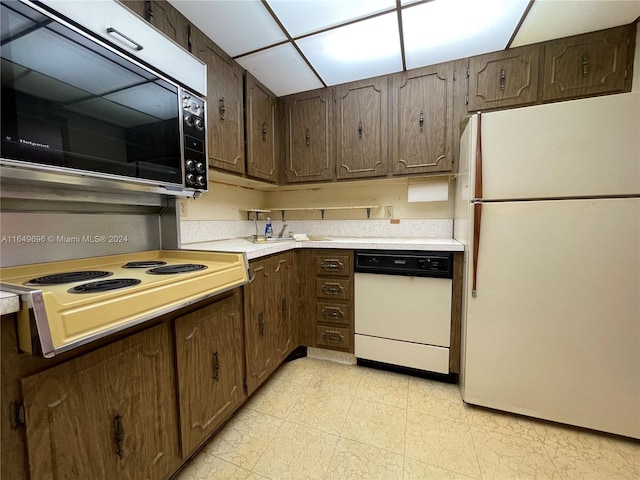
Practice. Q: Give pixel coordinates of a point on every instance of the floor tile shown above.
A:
(357, 461)
(206, 466)
(303, 371)
(443, 443)
(435, 398)
(376, 424)
(338, 378)
(591, 464)
(243, 440)
(384, 387)
(297, 452)
(507, 456)
(320, 409)
(417, 470)
(502, 422)
(630, 451)
(572, 438)
(276, 398)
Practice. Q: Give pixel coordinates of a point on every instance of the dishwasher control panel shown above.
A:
(410, 263)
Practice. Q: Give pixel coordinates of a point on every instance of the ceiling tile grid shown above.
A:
(298, 45)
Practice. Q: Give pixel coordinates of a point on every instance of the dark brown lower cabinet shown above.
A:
(109, 414)
(209, 346)
(269, 312)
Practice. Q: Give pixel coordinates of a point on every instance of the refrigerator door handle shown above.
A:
(477, 207)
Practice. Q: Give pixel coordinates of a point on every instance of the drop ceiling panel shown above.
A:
(281, 69)
(440, 31)
(359, 50)
(301, 17)
(550, 19)
(235, 26)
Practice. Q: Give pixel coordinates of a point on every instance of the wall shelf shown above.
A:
(282, 210)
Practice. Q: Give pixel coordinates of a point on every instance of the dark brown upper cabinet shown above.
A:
(504, 79)
(309, 136)
(361, 128)
(589, 64)
(225, 108)
(169, 21)
(422, 122)
(261, 109)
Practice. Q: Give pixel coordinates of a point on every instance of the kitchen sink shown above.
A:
(313, 238)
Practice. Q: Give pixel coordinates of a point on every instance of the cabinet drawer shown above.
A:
(333, 337)
(335, 313)
(336, 288)
(339, 265)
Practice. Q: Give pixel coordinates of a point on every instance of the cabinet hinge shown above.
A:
(16, 413)
(466, 99)
(244, 383)
(455, 75)
(467, 70)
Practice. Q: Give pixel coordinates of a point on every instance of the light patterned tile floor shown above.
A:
(316, 419)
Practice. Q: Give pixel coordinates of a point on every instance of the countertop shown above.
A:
(9, 303)
(257, 250)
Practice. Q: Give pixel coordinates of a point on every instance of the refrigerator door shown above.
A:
(554, 331)
(588, 147)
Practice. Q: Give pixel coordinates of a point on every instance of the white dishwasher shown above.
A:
(403, 308)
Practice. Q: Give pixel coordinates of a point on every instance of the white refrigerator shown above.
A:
(548, 207)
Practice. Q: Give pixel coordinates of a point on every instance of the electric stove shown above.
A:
(70, 303)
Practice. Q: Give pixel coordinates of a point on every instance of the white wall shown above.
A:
(225, 201)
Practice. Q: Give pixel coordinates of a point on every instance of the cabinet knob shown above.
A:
(585, 64)
(216, 367)
(222, 108)
(119, 435)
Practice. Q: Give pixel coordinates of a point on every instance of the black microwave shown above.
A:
(73, 104)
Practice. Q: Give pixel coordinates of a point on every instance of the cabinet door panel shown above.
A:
(282, 268)
(361, 129)
(225, 110)
(209, 361)
(107, 414)
(309, 137)
(169, 21)
(261, 142)
(257, 325)
(586, 64)
(504, 79)
(422, 121)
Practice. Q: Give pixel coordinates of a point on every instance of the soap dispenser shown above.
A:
(268, 229)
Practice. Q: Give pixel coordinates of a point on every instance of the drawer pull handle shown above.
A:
(136, 45)
(332, 265)
(216, 367)
(332, 288)
(332, 313)
(503, 78)
(119, 435)
(307, 136)
(264, 131)
(332, 337)
(261, 324)
(421, 120)
(360, 129)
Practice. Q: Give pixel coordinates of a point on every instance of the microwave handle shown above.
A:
(112, 30)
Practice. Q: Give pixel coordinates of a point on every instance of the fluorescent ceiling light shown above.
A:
(359, 50)
(235, 26)
(443, 30)
(281, 69)
(301, 17)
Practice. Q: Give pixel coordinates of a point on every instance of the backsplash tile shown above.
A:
(210, 230)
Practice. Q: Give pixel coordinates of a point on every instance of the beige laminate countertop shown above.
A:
(257, 250)
(9, 303)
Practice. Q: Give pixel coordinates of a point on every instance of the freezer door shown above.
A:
(554, 331)
(588, 147)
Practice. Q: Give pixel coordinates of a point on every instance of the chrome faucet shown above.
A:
(284, 227)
